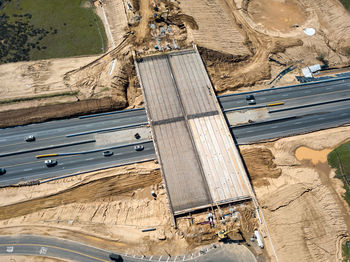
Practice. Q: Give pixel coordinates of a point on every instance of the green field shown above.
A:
(42, 29)
(346, 4)
(339, 158)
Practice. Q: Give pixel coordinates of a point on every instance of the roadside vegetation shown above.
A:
(41, 29)
(346, 251)
(339, 159)
(346, 4)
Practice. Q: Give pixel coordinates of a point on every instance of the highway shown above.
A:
(74, 251)
(76, 135)
(308, 108)
(291, 96)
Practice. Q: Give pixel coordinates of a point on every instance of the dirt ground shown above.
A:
(108, 209)
(302, 202)
(236, 38)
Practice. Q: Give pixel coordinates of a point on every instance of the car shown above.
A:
(50, 162)
(250, 99)
(2, 171)
(137, 136)
(30, 138)
(115, 257)
(139, 147)
(107, 153)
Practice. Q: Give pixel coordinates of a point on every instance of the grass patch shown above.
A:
(346, 251)
(44, 29)
(339, 159)
(16, 100)
(346, 4)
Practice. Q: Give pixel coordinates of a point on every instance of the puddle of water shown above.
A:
(315, 156)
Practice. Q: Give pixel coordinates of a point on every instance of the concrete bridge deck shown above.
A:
(199, 161)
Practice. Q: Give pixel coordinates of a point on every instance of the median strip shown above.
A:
(276, 104)
(309, 105)
(94, 151)
(265, 122)
(47, 155)
(107, 129)
(48, 147)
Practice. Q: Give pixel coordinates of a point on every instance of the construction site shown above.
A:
(277, 199)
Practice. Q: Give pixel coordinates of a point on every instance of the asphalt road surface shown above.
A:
(74, 251)
(292, 96)
(301, 105)
(76, 135)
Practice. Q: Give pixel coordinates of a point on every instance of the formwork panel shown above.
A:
(215, 151)
(186, 186)
(160, 93)
(194, 87)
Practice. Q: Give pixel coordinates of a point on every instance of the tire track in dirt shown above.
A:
(108, 187)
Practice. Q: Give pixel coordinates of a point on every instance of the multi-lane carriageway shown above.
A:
(306, 108)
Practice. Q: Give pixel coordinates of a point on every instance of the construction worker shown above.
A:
(154, 195)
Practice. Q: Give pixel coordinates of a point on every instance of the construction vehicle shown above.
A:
(231, 235)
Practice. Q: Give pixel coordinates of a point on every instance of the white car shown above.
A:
(50, 163)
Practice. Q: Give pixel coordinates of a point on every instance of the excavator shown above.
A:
(233, 235)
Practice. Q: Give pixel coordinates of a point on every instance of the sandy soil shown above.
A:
(305, 212)
(277, 15)
(107, 209)
(217, 29)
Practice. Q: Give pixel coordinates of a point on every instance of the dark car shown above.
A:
(137, 136)
(139, 148)
(115, 257)
(107, 153)
(50, 163)
(30, 138)
(2, 171)
(250, 99)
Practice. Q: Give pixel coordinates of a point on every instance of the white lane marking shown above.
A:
(248, 131)
(28, 169)
(263, 98)
(273, 127)
(321, 118)
(43, 250)
(285, 95)
(328, 88)
(9, 249)
(88, 159)
(118, 154)
(344, 114)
